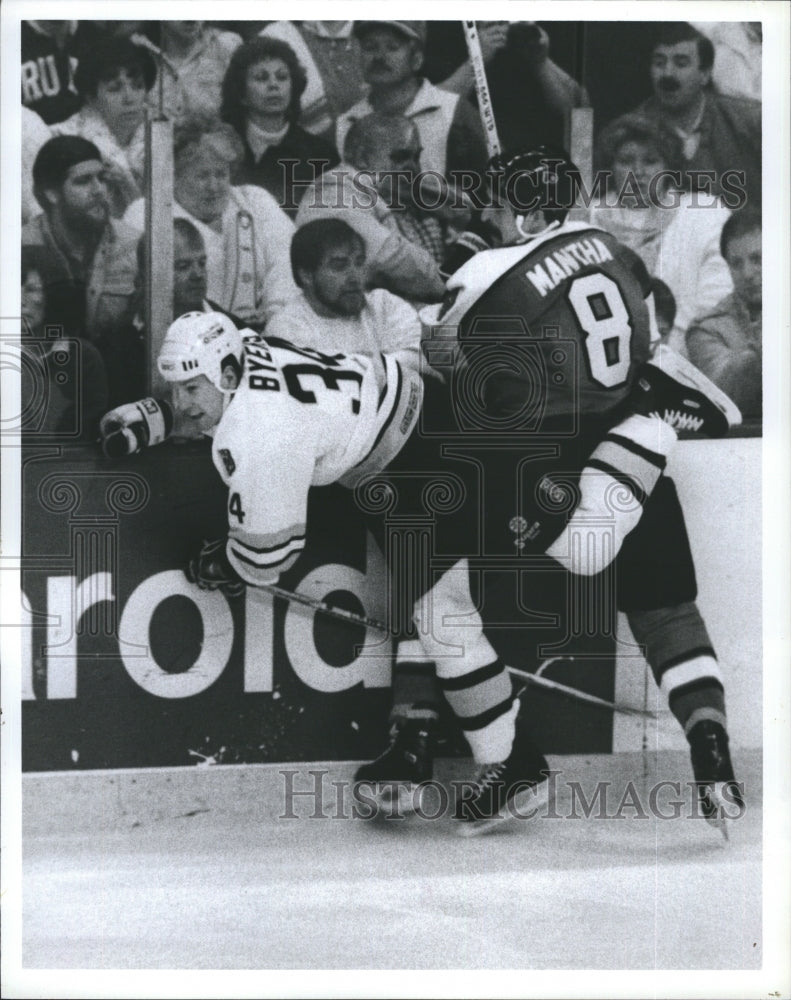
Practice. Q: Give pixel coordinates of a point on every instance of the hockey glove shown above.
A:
(479, 235)
(129, 428)
(211, 570)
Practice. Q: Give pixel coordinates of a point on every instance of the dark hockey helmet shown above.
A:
(541, 179)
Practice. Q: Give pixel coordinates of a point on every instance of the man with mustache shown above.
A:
(391, 55)
(720, 133)
(88, 259)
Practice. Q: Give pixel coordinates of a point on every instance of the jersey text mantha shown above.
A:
(559, 264)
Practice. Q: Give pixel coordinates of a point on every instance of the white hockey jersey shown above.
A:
(302, 418)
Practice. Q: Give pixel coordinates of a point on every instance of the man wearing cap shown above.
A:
(88, 259)
(392, 56)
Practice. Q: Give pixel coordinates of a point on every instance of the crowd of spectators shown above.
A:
(280, 124)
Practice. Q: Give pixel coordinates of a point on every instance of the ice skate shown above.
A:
(395, 776)
(512, 789)
(719, 793)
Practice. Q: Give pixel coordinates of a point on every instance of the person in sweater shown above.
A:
(245, 232)
(50, 56)
(404, 247)
(329, 51)
(725, 342)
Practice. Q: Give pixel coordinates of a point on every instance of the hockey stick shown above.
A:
(314, 604)
(482, 88)
(572, 692)
(351, 618)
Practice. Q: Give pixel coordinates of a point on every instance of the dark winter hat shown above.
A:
(55, 158)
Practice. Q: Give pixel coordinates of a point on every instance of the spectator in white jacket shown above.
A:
(332, 310)
(676, 233)
(246, 234)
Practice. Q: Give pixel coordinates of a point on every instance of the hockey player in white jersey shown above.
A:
(283, 418)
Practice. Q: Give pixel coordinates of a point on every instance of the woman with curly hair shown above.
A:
(675, 231)
(261, 99)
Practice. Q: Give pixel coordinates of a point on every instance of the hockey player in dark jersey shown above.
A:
(547, 340)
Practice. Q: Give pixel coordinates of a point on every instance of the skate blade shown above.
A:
(719, 818)
(533, 799)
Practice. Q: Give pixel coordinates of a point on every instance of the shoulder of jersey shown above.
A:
(480, 272)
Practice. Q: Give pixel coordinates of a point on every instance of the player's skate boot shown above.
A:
(719, 793)
(393, 780)
(516, 788)
(672, 388)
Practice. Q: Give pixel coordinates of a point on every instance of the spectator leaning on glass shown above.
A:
(114, 80)
(720, 134)
(246, 234)
(88, 258)
(261, 99)
(392, 57)
(725, 342)
(677, 234)
(404, 247)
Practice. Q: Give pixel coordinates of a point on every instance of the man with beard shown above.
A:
(88, 259)
(333, 311)
(720, 133)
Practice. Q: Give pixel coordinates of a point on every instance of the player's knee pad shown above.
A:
(617, 479)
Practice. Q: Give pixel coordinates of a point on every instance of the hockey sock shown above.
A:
(683, 661)
(416, 691)
(484, 705)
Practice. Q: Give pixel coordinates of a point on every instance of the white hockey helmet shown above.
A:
(198, 343)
